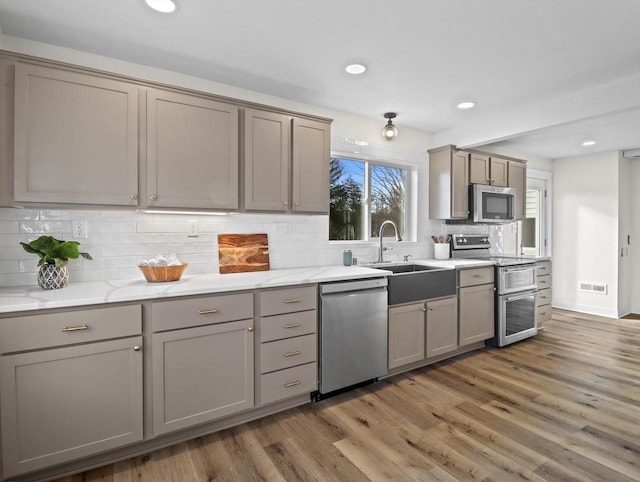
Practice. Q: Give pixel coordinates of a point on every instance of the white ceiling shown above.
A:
(546, 74)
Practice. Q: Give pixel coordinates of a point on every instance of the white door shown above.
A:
(536, 226)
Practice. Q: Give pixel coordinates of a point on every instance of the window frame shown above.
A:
(410, 207)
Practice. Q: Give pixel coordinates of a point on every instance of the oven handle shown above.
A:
(519, 296)
(518, 268)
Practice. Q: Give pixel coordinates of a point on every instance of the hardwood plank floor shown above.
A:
(563, 406)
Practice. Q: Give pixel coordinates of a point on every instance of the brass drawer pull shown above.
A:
(543, 297)
(291, 353)
(208, 312)
(423, 309)
(477, 276)
(292, 384)
(250, 328)
(66, 329)
(292, 325)
(137, 348)
(294, 300)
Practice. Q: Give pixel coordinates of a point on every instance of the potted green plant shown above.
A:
(54, 255)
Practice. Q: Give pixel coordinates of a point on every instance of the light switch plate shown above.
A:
(192, 228)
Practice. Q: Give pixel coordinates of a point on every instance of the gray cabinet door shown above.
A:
(406, 334)
(517, 179)
(192, 152)
(499, 168)
(479, 171)
(62, 404)
(75, 138)
(201, 374)
(267, 154)
(310, 177)
(442, 326)
(460, 184)
(476, 313)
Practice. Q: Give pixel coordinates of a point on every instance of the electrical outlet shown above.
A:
(192, 228)
(79, 229)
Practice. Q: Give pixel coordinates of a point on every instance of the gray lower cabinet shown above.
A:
(287, 365)
(201, 374)
(442, 326)
(66, 403)
(543, 298)
(75, 138)
(406, 334)
(419, 331)
(476, 314)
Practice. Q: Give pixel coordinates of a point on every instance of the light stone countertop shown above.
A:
(16, 299)
(27, 298)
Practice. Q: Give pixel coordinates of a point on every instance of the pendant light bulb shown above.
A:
(389, 131)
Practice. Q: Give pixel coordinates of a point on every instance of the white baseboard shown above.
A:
(589, 309)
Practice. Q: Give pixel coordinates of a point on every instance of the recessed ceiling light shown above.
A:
(466, 105)
(164, 6)
(355, 69)
(589, 143)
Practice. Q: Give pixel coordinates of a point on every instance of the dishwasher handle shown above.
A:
(355, 285)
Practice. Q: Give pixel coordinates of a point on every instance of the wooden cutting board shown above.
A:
(241, 253)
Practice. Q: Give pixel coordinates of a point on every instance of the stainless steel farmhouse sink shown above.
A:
(414, 282)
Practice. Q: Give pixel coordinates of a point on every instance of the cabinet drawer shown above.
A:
(475, 276)
(543, 267)
(543, 313)
(70, 327)
(544, 297)
(205, 310)
(285, 326)
(543, 282)
(288, 383)
(277, 355)
(288, 300)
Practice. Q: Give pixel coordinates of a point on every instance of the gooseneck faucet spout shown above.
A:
(398, 238)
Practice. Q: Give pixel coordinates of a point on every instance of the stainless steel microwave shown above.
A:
(492, 204)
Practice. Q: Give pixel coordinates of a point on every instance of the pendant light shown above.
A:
(389, 132)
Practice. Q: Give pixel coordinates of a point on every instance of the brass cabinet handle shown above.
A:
(543, 297)
(286, 203)
(477, 276)
(429, 308)
(292, 384)
(292, 325)
(208, 311)
(153, 197)
(250, 328)
(66, 329)
(137, 348)
(294, 300)
(291, 353)
(134, 196)
(423, 309)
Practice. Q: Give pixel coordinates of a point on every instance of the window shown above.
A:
(363, 195)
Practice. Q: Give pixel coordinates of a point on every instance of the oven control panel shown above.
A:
(470, 241)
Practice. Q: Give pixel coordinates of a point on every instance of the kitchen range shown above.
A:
(515, 288)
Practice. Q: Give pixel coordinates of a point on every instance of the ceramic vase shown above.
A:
(51, 277)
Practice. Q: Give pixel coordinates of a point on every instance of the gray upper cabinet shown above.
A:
(192, 152)
(517, 179)
(448, 183)
(310, 175)
(479, 169)
(267, 154)
(75, 138)
(485, 169)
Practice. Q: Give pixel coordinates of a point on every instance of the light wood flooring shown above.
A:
(564, 405)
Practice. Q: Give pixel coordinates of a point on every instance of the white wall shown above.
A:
(585, 231)
(635, 236)
(625, 210)
(118, 240)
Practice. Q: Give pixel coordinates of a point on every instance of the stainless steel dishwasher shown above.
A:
(353, 334)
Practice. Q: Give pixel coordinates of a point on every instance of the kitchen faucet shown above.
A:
(398, 238)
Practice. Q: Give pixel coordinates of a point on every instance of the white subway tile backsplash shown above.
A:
(46, 227)
(118, 240)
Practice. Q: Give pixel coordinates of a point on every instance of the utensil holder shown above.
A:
(441, 250)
